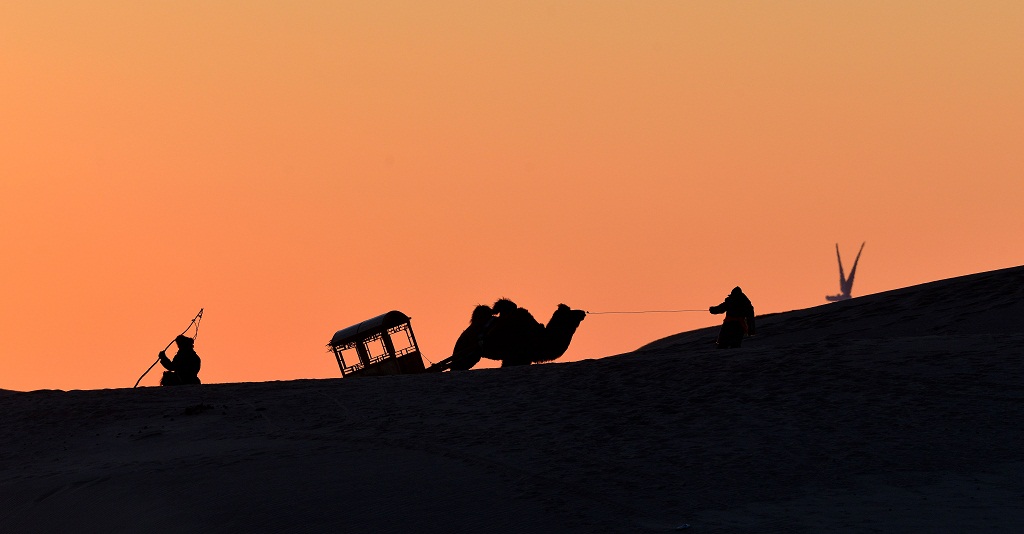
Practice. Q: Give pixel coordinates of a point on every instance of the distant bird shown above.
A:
(845, 284)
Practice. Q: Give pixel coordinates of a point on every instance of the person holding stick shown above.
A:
(184, 368)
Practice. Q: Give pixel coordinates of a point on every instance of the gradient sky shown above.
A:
(297, 167)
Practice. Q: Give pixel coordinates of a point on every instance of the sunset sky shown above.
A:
(298, 167)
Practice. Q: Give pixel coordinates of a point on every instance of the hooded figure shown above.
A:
(184, 368)
(739, 319)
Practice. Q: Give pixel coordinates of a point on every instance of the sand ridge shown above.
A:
(893, 412)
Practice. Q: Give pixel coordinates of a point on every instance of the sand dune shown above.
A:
(895, 412)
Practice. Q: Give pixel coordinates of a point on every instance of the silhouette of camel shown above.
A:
(509, 334)
(516, 338)
(845, 284)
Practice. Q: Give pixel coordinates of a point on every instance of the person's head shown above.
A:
(184, 342)
(737, 291)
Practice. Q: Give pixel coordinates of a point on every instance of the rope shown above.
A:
(195, 321)
(643, 311)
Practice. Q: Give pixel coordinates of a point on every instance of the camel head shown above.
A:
(569, 315)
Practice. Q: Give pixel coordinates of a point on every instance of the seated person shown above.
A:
(184, 368)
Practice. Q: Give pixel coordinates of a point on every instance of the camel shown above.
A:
(516, 338)
(509, 334)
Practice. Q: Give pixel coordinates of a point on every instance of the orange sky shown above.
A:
(297, 167)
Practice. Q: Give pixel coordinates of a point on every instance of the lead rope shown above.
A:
(643, 311)
(195, 321)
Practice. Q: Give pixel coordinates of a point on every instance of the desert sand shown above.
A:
(896, 412)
